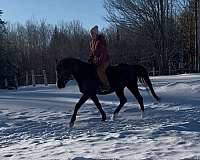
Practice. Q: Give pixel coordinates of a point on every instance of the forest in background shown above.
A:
(159, 34)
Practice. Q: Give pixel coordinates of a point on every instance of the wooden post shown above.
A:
(56, 76)
(26, 78)
(45, 77)
(6, 83)
(16, 81)
(33, 78)
(169, 69)
(153, 71)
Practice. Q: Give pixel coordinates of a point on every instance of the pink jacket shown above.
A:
(98, 50)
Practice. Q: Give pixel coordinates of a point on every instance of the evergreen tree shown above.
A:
(7, 67)
(2, 47)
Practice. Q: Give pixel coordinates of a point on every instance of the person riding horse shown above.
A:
(120, 76)
(99, 56)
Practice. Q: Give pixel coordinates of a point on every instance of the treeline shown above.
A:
(39, 46)
(158, 34)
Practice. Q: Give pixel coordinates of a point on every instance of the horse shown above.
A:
(119, 77)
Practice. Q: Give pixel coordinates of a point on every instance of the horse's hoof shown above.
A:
(158, 99)
(103, 118)
(142, 114)
(71, 124)
(115, 116)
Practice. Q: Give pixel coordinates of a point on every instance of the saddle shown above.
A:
(100, 88)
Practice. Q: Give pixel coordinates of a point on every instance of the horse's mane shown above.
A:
(74, 60)
(69, 61)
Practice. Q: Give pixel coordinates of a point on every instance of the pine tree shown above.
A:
(2, 50)
(7, 67)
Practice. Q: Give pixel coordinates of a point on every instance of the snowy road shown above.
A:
(34, 124)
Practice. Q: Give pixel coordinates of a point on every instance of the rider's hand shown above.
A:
(91, 59)
(96, 60)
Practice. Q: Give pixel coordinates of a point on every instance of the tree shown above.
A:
(151, 20)
(2, 35)
(188, 30)
(2, 50)
(7, 67)
(198, 34)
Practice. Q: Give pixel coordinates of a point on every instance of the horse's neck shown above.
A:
(76, 70)
(82, 70)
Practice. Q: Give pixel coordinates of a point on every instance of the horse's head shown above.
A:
(63, 75)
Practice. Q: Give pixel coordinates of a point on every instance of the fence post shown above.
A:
(169, 69)
(45, 77)
(16, 81)
(33, 78)
(153, 71)
(56, 76)
(26, 78)
(6, 83)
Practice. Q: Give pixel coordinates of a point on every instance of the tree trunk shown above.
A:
(198, 33)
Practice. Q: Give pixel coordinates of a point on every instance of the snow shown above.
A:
(34, 123)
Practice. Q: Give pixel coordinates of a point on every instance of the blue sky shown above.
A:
(88, 12)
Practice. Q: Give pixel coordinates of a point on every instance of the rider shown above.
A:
(99, 55)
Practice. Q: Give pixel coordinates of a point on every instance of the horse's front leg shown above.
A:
(82, 100)
(97, 103)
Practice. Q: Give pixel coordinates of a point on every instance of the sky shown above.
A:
(88, 12)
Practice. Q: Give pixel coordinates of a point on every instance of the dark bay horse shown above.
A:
(120, 76)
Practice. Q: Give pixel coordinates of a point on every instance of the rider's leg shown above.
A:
(101, 70)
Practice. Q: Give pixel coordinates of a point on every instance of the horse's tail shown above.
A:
(143, 77)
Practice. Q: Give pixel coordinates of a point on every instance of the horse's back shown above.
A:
(126, 72)
(120, 72)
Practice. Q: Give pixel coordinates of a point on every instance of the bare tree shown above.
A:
(197, 21)
(151, 19)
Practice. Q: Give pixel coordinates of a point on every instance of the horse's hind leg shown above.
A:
(123, 100)
(97, 103)
(134, 90)
(82, 100)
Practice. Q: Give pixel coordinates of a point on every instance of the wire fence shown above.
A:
(30, 78)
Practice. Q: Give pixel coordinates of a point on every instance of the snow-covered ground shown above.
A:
(34, 124)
